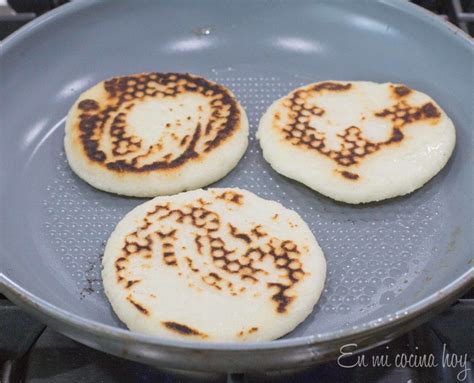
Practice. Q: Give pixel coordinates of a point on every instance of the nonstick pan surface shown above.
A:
(390, 265)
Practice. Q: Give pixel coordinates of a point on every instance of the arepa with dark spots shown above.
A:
(152, 134)
(217, 265)
(357, 141)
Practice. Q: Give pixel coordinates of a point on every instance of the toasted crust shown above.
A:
(216, 265)
(357, 141)
(165, 131)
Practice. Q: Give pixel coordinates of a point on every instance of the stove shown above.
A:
(441, 350)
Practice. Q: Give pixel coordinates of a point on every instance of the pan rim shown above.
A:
(371, 328)
(401, 5)
(376, 326)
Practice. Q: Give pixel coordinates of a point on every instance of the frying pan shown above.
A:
(391, 265)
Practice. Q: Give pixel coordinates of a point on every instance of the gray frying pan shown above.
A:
(391, 265)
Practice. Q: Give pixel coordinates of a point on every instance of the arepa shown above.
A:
(357, 141)
(155, 133)
(217, 265)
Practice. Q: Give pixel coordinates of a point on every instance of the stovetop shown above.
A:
(439, 351)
